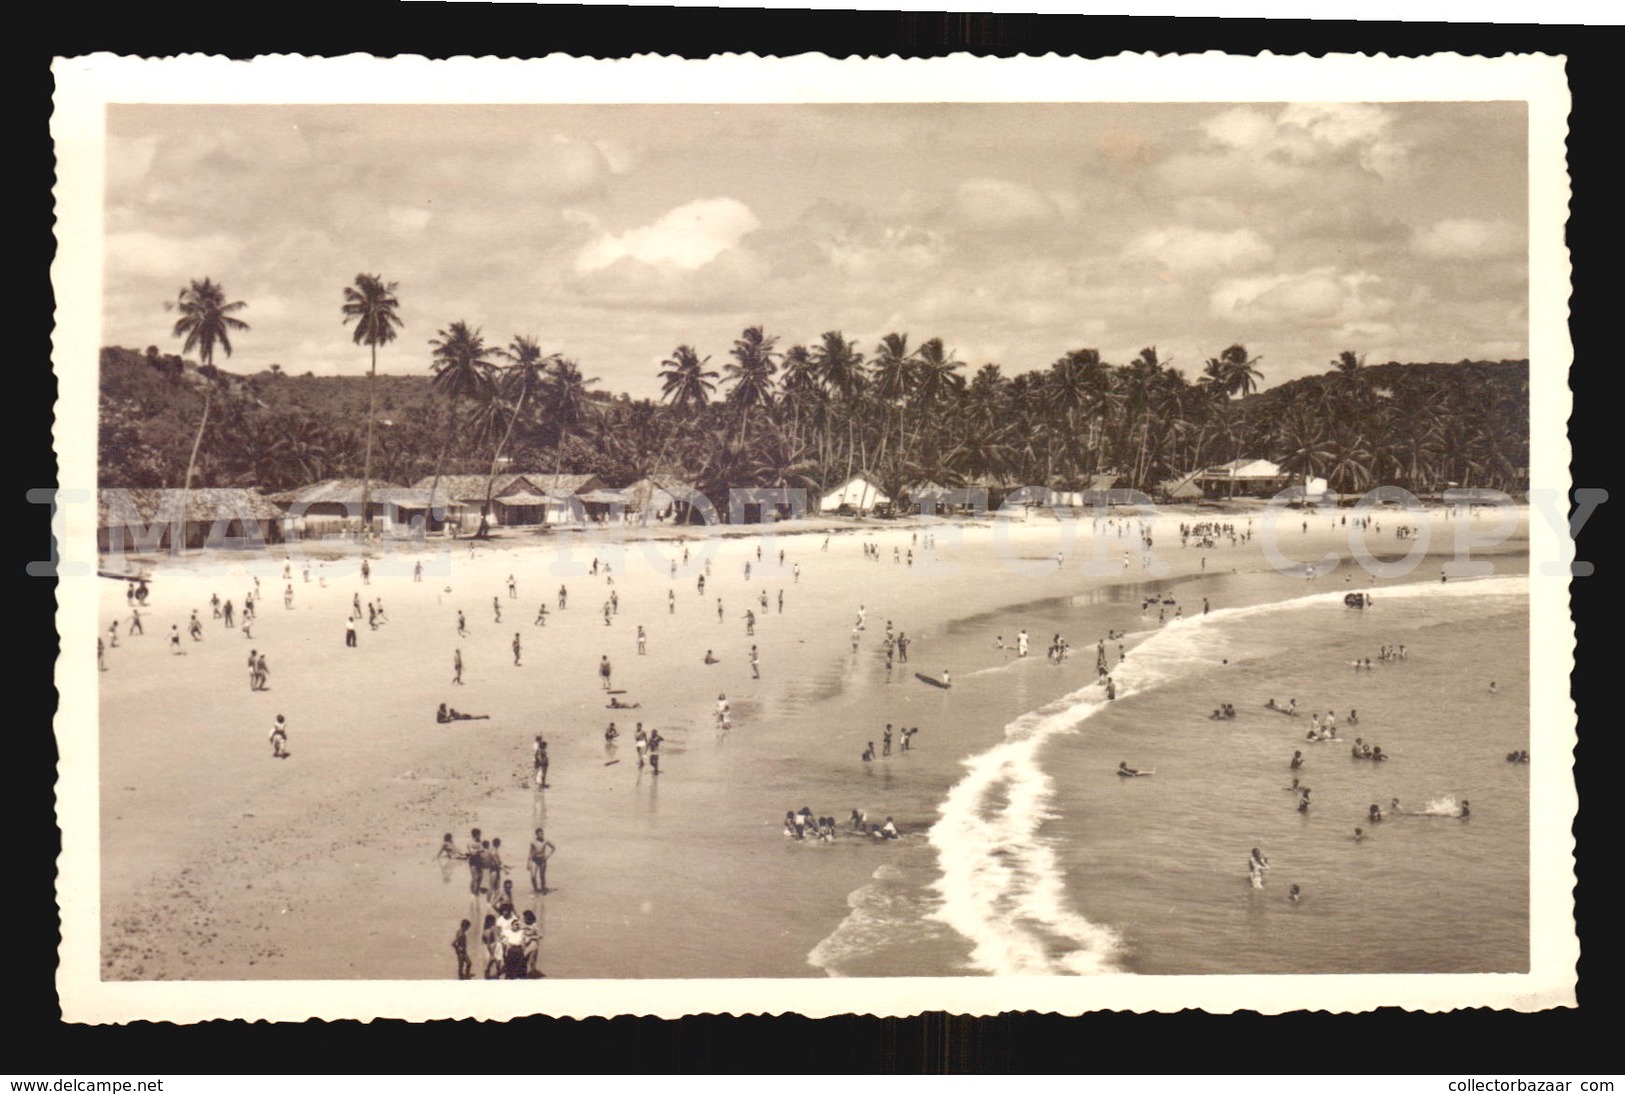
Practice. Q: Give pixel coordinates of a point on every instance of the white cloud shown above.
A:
(409, 219)
(998, 204)
(1320, 296)
(1306, 133)
(687, 237)
(144, 253)
(1466, 238)
(1190, 250)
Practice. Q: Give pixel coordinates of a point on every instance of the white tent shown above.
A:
(857, 493)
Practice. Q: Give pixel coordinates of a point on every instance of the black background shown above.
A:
(37, 1042)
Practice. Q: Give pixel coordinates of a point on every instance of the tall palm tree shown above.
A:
(838, 364)
(205, 319)
(462, 369)
(894, 378)
(372, 304)
(688, 383)
(936, 374)
(525, 377)
(751, 372)
(567, 393)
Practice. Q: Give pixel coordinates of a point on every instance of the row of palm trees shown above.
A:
(814, 414)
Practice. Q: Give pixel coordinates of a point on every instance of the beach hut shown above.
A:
(333, 506)
(859, 493)
(1248, 477)
(516, 499)
(148, 520)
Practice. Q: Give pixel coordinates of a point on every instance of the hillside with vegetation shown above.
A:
(814, 416)
(809, 415)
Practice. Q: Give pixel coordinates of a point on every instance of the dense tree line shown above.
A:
(804, 415)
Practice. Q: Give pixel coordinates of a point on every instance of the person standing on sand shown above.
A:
(539, 761)
(135, 621)
(795, 573)
(459, 946)
(279, 738)
(349, 633)
(654, 752)
(516, 650)
(228, 613)
(175, 641)
(722, 713)
(462, 625)
(262, 671)
(604, 671)
(541, 616)
(1021, 643)
(112, 635)
(671, 602)
(750, 623)
(513, 588)
(496, 609)
(755, 672)
(541, 849)
(366, 572)
(417, 571)
(640, 741)
(474, 855)
(643, 641)
(563, 594)
(253, 672)
(457, 666)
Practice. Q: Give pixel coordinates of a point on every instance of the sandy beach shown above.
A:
(220, 862)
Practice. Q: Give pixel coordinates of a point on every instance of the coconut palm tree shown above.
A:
(462, 369)
(372, 304)
(687, 382)
(205, 320)
(524, 378)
(838, 364)
(751, 372)
(935, 375)
(568, 399)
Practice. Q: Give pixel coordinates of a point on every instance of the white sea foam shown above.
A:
(1000, 884)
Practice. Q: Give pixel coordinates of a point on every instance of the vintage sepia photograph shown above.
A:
(882, 535)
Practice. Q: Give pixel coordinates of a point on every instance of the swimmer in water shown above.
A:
(1297, 759)
(1124, 769)
(1294, 894)
(1374, 815)
(1465, 811)
(1359, 834)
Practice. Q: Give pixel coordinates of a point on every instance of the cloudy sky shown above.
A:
(1014, 232)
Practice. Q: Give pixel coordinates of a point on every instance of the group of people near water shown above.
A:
(904, 736)
(802, 825)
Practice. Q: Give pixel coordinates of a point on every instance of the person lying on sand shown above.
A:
(452, 714)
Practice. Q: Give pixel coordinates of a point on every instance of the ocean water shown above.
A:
(1043, 861)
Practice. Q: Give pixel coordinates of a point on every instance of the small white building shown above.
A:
(859, 493)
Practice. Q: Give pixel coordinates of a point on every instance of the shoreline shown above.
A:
(636, 861)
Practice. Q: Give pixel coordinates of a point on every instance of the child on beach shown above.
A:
(459, 946)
